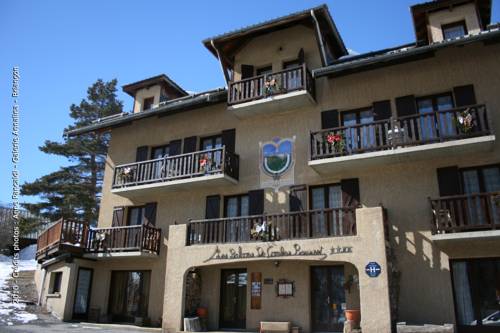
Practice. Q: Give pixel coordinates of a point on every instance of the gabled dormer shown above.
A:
(441, 20)
(150, 93)
(262, 63)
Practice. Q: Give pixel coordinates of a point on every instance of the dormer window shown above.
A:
(148, 103)
(454, 30)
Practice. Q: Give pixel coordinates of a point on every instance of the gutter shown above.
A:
(320, 39)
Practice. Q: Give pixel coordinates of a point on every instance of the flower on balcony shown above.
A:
(127, 174)
(271, 85)
(465, 121)
(336, 141)
(262, 231)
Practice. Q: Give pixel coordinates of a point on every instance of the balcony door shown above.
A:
(323, 197)
(434, 126)
(214, 158)
(476, 289)
(327, 298)
(359, 135)
(235, 206)
(82, 294)
(159, 153)
(233, 304)
(129, 295)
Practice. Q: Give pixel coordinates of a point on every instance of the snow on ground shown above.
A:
(11, 313)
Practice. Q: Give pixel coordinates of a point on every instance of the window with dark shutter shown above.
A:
(246, 71)
(150, 213)
(190, 144)
(212, 207)
(229, 139)
(382, 110)
(118, 220)
(406, 106)
(449, 181)
(329, 119)
(256, 202)
(175, 147)
(141, 153)
(298, 198)
(350, 192)
(464, 95)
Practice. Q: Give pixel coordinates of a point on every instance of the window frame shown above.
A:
(238, 197)
(326, 194)
(159, 147)
(213, 138)
(129, 215)
(358, 114)
(291, 62)
(55, 282)
(152, 99)
(259, 70)
(461, 23)
(479, 169)
(434, 98)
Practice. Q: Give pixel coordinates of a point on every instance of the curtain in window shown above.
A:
(463, 299)
(318, 220)
(475, 213)
(335, 201)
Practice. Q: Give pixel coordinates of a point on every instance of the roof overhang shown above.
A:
(226, 45)
(421, 11)
(161, 79)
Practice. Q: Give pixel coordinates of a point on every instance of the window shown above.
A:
(211, 142)
(265, 70)
(148, 103)
(159, 152)
(359, 137)
(56, 279)
(135, 215)
(291, 64)
(324, 197)
(454, 30)
(428, 106)
(237, 205)
(158, 166)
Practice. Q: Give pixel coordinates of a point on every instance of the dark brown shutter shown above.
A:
(382, 110)
(141, 153)
(118, 219)
(229, 139)
(174, 147)
(256, 202)
(329, 119)
(150, 213)
(449, 181)
(406, 106)
(246, 71)
(298, 198)
(464, 95)
(350, 192)
(300, 56)
(190, 144)
(212, 207)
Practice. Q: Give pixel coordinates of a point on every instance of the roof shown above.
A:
(230, 42)
(420, 11)
(401, 54)
(167, 108)
(161, 79)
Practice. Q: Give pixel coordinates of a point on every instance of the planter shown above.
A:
(202, 312)
(353, 315)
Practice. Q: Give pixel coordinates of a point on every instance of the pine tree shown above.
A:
(73, 191)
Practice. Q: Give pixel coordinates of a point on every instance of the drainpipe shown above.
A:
(42, 286)
(226, 79)
(321, 45)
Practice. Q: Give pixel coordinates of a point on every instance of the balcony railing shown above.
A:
(470, 212)
(393, 133)
(262, 86)
(273, 227)
(79, 237)
(184, 166)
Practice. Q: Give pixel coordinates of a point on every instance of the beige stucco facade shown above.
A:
(402, 187)
(465, 13)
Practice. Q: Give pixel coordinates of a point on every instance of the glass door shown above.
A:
(427, 108)
(234, 206)
(327, 298)
(159, 169)
(213, 158)
(129, 295)
(328, 223)
(82, 295)
(360, 135)
(233, 303)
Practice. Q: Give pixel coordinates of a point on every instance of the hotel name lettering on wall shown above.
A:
(272, 251)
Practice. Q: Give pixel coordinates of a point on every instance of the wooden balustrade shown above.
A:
(196, 164)
(400, 132)
(63, 232)
(293, 225)
(471, 212)
(262, 86)
(125, 238)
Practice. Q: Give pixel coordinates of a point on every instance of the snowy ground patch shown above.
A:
(11, 313)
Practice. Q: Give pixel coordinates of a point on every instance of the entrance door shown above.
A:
(82, 295)
(129, 294)
(233, 303)
(327, 298)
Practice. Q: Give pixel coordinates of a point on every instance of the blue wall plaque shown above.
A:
(373, 269)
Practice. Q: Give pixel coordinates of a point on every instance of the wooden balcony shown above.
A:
(277, 92)
(208, 167)
(335, 222)
(79, 239)
(466, 213)
(401, 139)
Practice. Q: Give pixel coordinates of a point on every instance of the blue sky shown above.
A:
(62, 47)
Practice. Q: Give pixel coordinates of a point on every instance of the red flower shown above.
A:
(332, 138)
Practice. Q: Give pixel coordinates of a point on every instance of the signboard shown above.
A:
(277, 162)
(255, 290)
(373, 269)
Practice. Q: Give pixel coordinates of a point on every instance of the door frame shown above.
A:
(311, 268)
(221, 305)
(89, 293)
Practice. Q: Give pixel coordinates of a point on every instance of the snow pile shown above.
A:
(11, 313)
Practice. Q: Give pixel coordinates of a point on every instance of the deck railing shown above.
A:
(393, 133)
(63, 232)
(471, 212)
(262, 86)
(272, 227)
(80, 235)
(125, 238)
(190, 165)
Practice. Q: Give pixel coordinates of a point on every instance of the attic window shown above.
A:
(454, 30)
(147, 103)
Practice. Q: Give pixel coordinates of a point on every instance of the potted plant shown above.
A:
(336, 142)
(465, 121)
